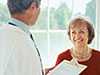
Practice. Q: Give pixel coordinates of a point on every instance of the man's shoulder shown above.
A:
(11, 31)
(12, 36)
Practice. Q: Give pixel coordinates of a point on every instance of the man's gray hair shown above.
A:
(18, 6)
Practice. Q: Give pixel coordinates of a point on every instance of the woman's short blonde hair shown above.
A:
(88, 24)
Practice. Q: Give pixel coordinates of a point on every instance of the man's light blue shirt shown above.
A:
(20, 24)
(17, 52)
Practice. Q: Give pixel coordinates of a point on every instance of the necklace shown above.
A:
(82, 56)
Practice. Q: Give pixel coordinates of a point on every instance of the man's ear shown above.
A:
(33, 6)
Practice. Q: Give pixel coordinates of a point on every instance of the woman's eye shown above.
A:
(73, 32)
(81, 31)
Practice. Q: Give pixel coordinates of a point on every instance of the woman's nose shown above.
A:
(77, 35)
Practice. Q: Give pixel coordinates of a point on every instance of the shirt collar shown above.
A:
(20, 24)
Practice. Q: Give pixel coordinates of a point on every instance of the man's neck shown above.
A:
(22, 18)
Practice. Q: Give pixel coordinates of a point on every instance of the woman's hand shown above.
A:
(47, 70)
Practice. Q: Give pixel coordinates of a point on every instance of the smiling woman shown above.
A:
(81, 33)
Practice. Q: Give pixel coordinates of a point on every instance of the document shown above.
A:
(68, 68)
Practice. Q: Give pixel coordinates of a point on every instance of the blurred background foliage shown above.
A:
(53, 18)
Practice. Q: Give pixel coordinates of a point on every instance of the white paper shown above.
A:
(68, 68)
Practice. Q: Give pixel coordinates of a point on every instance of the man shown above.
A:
(18, 56)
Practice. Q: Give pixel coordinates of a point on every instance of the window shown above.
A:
(50, 30)
(57, 15)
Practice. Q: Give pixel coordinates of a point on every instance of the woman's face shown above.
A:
(79, 34)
